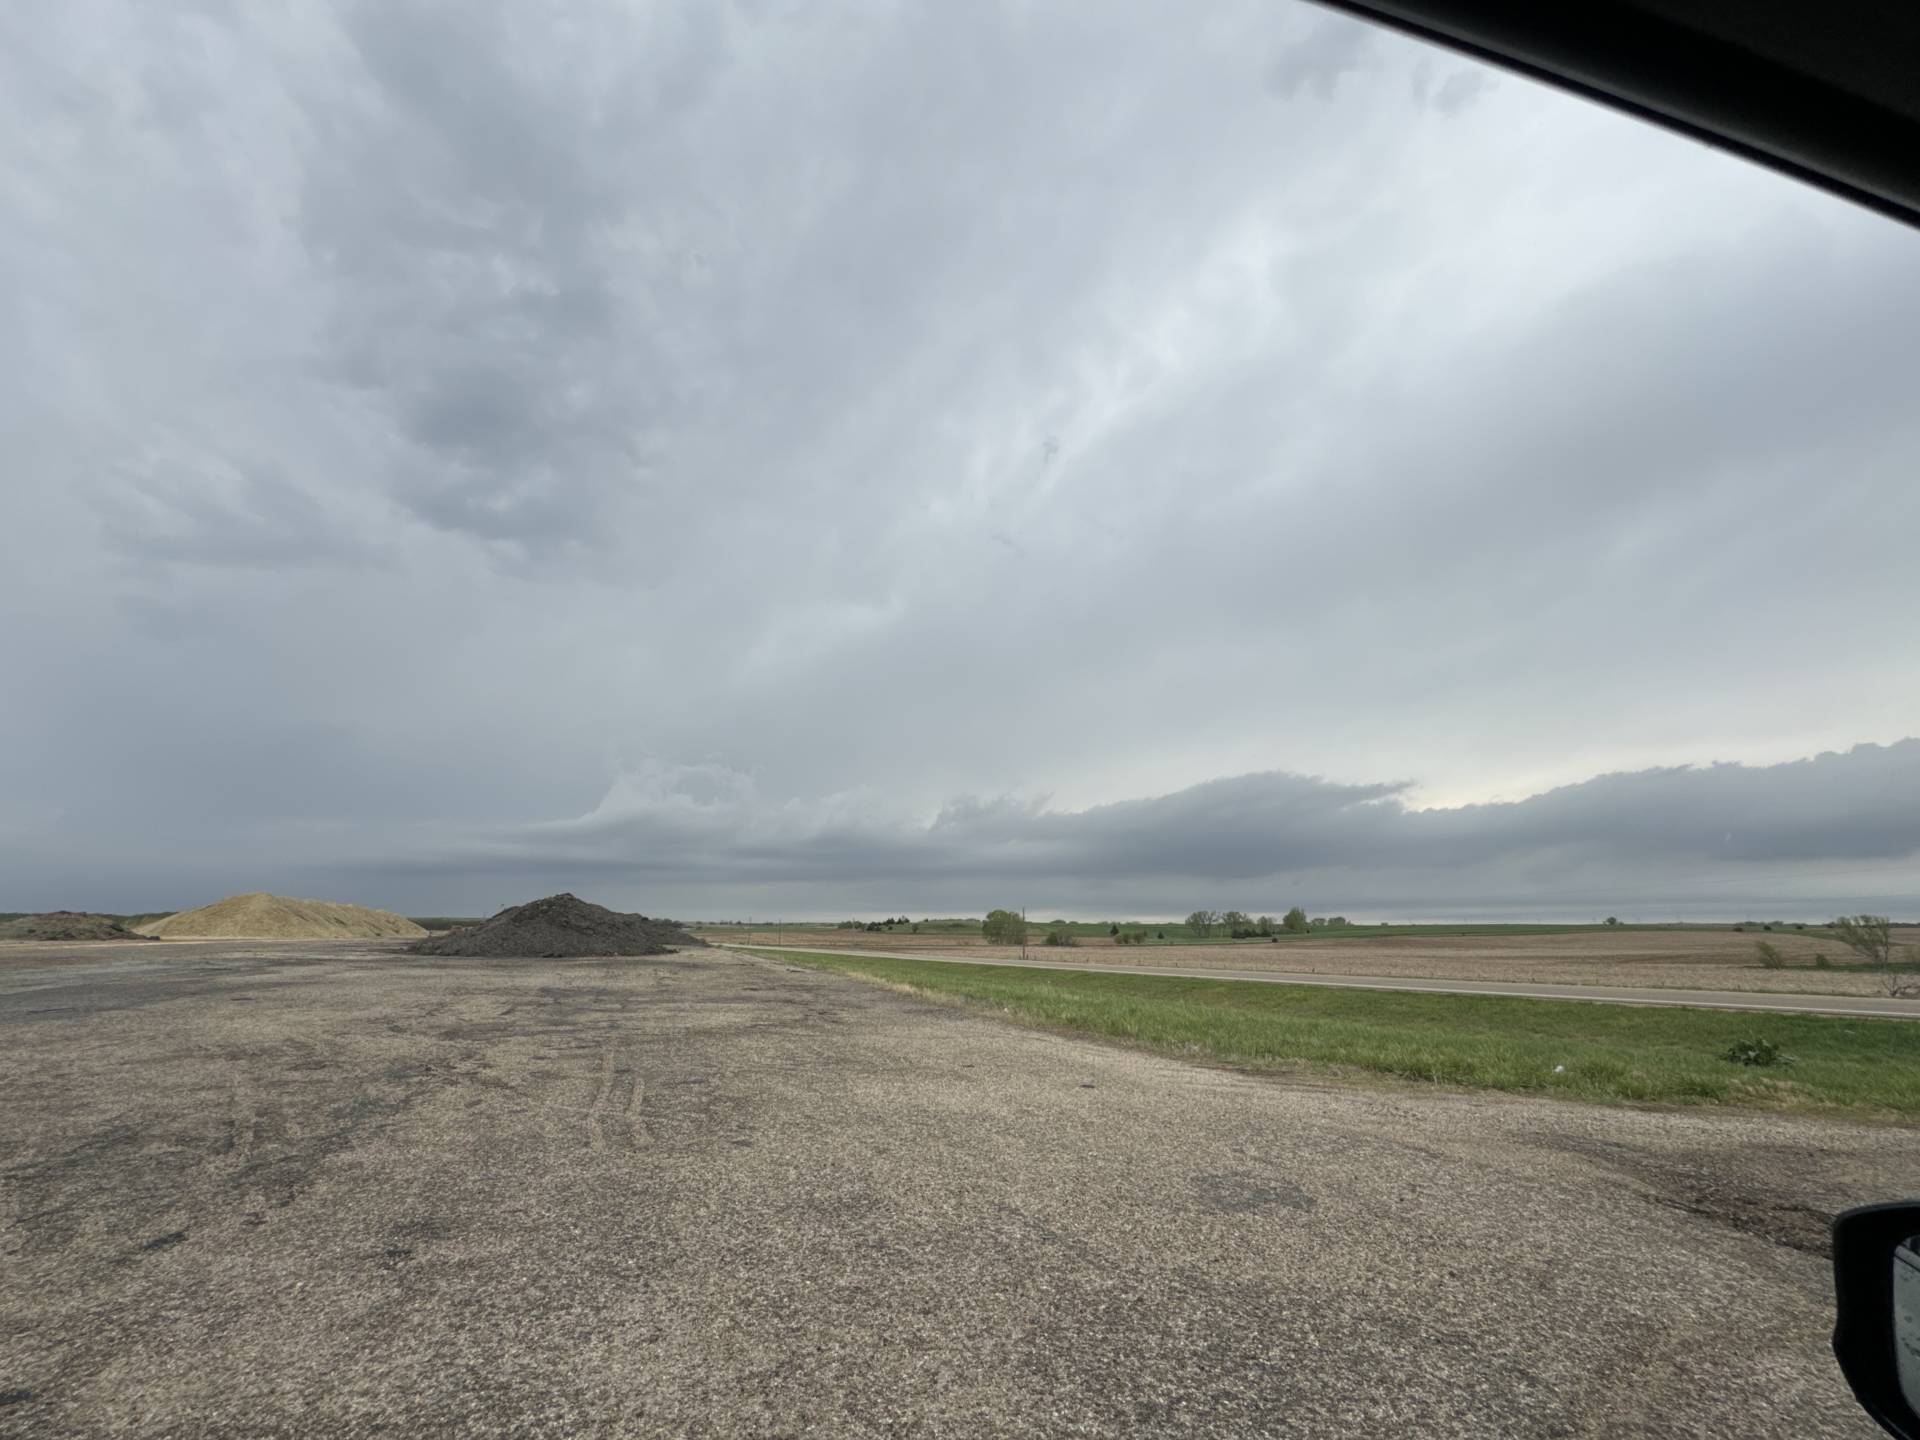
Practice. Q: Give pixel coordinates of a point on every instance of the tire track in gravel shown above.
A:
(610, 1116)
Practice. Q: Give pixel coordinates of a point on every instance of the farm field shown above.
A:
(1684, 959)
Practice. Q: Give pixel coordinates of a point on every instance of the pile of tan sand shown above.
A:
(67, 925)
(275, 917)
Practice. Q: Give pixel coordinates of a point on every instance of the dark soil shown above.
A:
(561, 925)
(67, 925)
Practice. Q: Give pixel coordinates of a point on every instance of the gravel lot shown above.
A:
(318, 1190)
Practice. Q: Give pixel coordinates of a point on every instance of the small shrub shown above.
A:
(1059, 937)
(1820, 962)
(1770, 955)
(1757, 1052)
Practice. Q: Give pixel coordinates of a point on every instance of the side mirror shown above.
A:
(1876, 1332)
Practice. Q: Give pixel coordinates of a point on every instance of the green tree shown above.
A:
(1294, 922)
(1004, 927)
(1868, 936)
(1871, 938)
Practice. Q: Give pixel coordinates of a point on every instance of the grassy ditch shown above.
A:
(1577, 1049)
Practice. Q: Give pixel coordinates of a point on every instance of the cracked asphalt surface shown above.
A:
(335, 1190)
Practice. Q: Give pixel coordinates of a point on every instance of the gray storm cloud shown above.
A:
(1254, 839)
(416, 412)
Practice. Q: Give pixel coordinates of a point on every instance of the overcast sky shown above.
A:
(813, 459)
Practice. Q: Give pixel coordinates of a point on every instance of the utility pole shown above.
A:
(1023, 932)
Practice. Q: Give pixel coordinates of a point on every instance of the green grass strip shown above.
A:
(1576, 1049)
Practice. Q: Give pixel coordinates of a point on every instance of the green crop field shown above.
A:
(1581, 1050)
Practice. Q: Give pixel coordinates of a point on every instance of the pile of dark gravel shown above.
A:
(561, 925)
(67, 925)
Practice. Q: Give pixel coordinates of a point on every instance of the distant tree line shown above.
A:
(1009, 927)
(877, 926)
(1238, 925)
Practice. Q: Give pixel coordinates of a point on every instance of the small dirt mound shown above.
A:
(275, 917)
(67, 925)
(561, 925)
